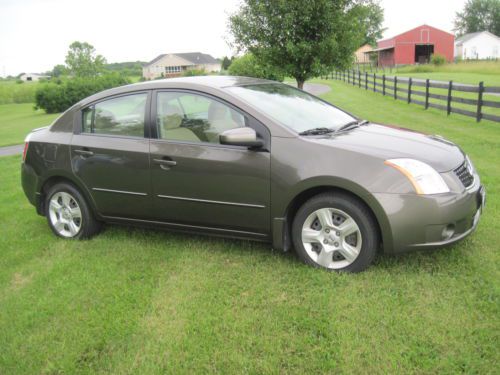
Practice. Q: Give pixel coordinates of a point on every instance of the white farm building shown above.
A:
(480, 45)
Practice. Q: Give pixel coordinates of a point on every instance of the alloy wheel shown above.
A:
(65, 214)
(331, 238)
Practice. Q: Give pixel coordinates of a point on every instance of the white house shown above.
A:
(32, 76)
(173, 64)
(480, 45)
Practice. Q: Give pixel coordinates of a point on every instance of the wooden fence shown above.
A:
(418, 91)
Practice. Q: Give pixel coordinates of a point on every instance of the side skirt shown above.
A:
(186, 228)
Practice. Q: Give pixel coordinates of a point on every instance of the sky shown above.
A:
(35, 34)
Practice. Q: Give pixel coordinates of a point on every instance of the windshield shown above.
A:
(293, 108)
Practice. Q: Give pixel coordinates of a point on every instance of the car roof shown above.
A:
(208, 83)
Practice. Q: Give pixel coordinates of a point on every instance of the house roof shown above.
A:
(467, 37)
(193, 57)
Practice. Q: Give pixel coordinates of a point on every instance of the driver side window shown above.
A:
(194, 118)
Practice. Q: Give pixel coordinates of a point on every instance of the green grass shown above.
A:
(13, 92)
(149, 302)
(17, 120)
(464, 72)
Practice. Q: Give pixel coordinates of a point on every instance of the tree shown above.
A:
(369, 19)
(478, 15)
(303, 39)
(82, 60)
(59, 70)
(247, 65)
(226, 62)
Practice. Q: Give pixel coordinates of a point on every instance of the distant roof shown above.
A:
(193, 57)
(34, 74)
(467, 37)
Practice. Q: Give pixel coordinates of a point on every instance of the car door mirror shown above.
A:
(241, 137)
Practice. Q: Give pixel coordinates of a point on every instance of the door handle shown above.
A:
(165, 163)
(84, 152)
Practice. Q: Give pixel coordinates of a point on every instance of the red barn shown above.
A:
(415, 46)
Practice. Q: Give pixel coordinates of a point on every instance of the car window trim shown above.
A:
(249, 119)
(78, 118)
(113, 136)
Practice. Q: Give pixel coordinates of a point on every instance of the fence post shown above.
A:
(427, 85)
(395, 87)
(480, 101)
(383, 84)
(366, 80)
(448, 107)
(359, 78)
(353, 77)
(374, 80)
(409, 89)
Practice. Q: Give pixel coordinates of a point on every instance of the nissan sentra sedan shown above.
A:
(253, 159)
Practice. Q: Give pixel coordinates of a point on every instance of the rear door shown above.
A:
(110, 154)
(196, 181)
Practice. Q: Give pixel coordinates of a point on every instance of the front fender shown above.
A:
(311, 185)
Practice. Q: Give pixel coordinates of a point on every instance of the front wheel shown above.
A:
(68, 214)
(335, 231)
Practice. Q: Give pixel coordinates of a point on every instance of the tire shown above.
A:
(68, 213)
(347, 243)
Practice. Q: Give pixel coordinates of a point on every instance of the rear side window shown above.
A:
(123, 116)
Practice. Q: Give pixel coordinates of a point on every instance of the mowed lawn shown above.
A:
(17, 120)
(149, 302)
(471, 72)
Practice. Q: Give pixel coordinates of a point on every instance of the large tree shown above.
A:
(82, 60)
(302, 38)
(478, 15)
(369, 17)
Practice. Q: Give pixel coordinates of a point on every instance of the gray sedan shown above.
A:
(254, 159)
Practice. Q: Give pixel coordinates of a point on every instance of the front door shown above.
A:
(110, 155)
(198, 182)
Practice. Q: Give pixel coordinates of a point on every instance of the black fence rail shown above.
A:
(444, 96)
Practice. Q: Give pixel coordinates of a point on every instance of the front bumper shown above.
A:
(428, 222)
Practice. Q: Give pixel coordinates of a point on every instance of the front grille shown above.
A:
(464, 175)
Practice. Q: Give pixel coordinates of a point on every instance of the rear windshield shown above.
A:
(293, 108)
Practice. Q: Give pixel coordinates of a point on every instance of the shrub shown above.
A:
(438, 59)
(19, 80)
(57, 97)
(194, 72)
(247, 65)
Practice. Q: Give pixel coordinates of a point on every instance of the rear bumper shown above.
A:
(429, 222)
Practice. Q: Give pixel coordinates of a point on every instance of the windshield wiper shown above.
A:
(317, 131)
(352, 124)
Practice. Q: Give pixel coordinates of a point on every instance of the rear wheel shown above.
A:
(335, 231)
(68, 214)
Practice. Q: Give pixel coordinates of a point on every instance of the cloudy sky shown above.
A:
(35, 34)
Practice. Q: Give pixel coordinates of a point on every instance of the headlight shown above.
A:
(469, 165)
(423, 177)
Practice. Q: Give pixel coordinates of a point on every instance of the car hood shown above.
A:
(389, 142)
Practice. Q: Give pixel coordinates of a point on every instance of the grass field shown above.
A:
(17, 120)
(147, 302)
(471, 72)
(13, 92)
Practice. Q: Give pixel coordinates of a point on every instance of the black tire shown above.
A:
(354, 208)
(89, 226)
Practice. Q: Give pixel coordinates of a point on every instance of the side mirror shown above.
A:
(241, 137)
